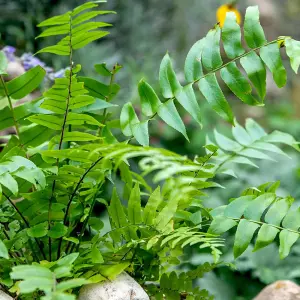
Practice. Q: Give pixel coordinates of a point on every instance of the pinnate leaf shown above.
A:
(254, 34)
(167, 78)
(243, 236)
(287, 239)
(237, 83)
(186, 97)
(212, 92)
(24, 84)
(193, 67)
(270, 55)
(231, 36)
(256, 72)
(293, 52)
(211, 56)
(168, 112)
(149, 100)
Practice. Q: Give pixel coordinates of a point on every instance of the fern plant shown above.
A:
(202, 65)
(262, 210)
(68, 156)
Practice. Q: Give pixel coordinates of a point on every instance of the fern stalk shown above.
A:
(262, 223)
(84, 226)
(62, 134)
(26, 224)
(234, 60)
(70, 84)
(104, 115)
(71, 200)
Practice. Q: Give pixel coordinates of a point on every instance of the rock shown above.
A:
(4, 296)
(123, 287)
(14, 69)
(280, 290)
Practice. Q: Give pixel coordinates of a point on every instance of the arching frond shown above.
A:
(251, 142)
(202, 64)
(264, 216)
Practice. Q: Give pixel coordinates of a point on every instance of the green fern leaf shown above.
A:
(167, 78)
(254, 34)
(212, 92)
(231, 37)
(134, 206)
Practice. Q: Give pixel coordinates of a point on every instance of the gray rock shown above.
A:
(280, 290)
(4, 296)
(123, 287)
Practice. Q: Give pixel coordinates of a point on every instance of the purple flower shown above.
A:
(29, 61)
(59, 74)
(9, 51)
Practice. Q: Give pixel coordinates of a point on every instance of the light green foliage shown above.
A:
(69, 155)
(44, 277)
(21, 86)
(254, 33)
(202, 64)
(13, 168)
(251, 142)
(261, 210)
(293, 50)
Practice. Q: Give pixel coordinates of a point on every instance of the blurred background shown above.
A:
(143, 31)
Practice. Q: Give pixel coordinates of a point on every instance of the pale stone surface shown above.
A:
(4, 296)
(123, 287)
(280, 290)
(14, 69)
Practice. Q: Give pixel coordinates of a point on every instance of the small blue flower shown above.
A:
(29, 61)
(59, 74)
(9, 51)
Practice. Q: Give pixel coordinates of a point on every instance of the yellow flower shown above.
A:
(223, 10)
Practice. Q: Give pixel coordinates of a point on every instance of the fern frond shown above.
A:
(251, 142)
(201, 66)
(180, 285)
(69, 93)
(189, 176)
(74, 26)
(66, 94)
(263, 216)
(186, 236)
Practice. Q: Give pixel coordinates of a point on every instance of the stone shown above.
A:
(14, 69)
(4, 296)
(280, 290)
(123, 287)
